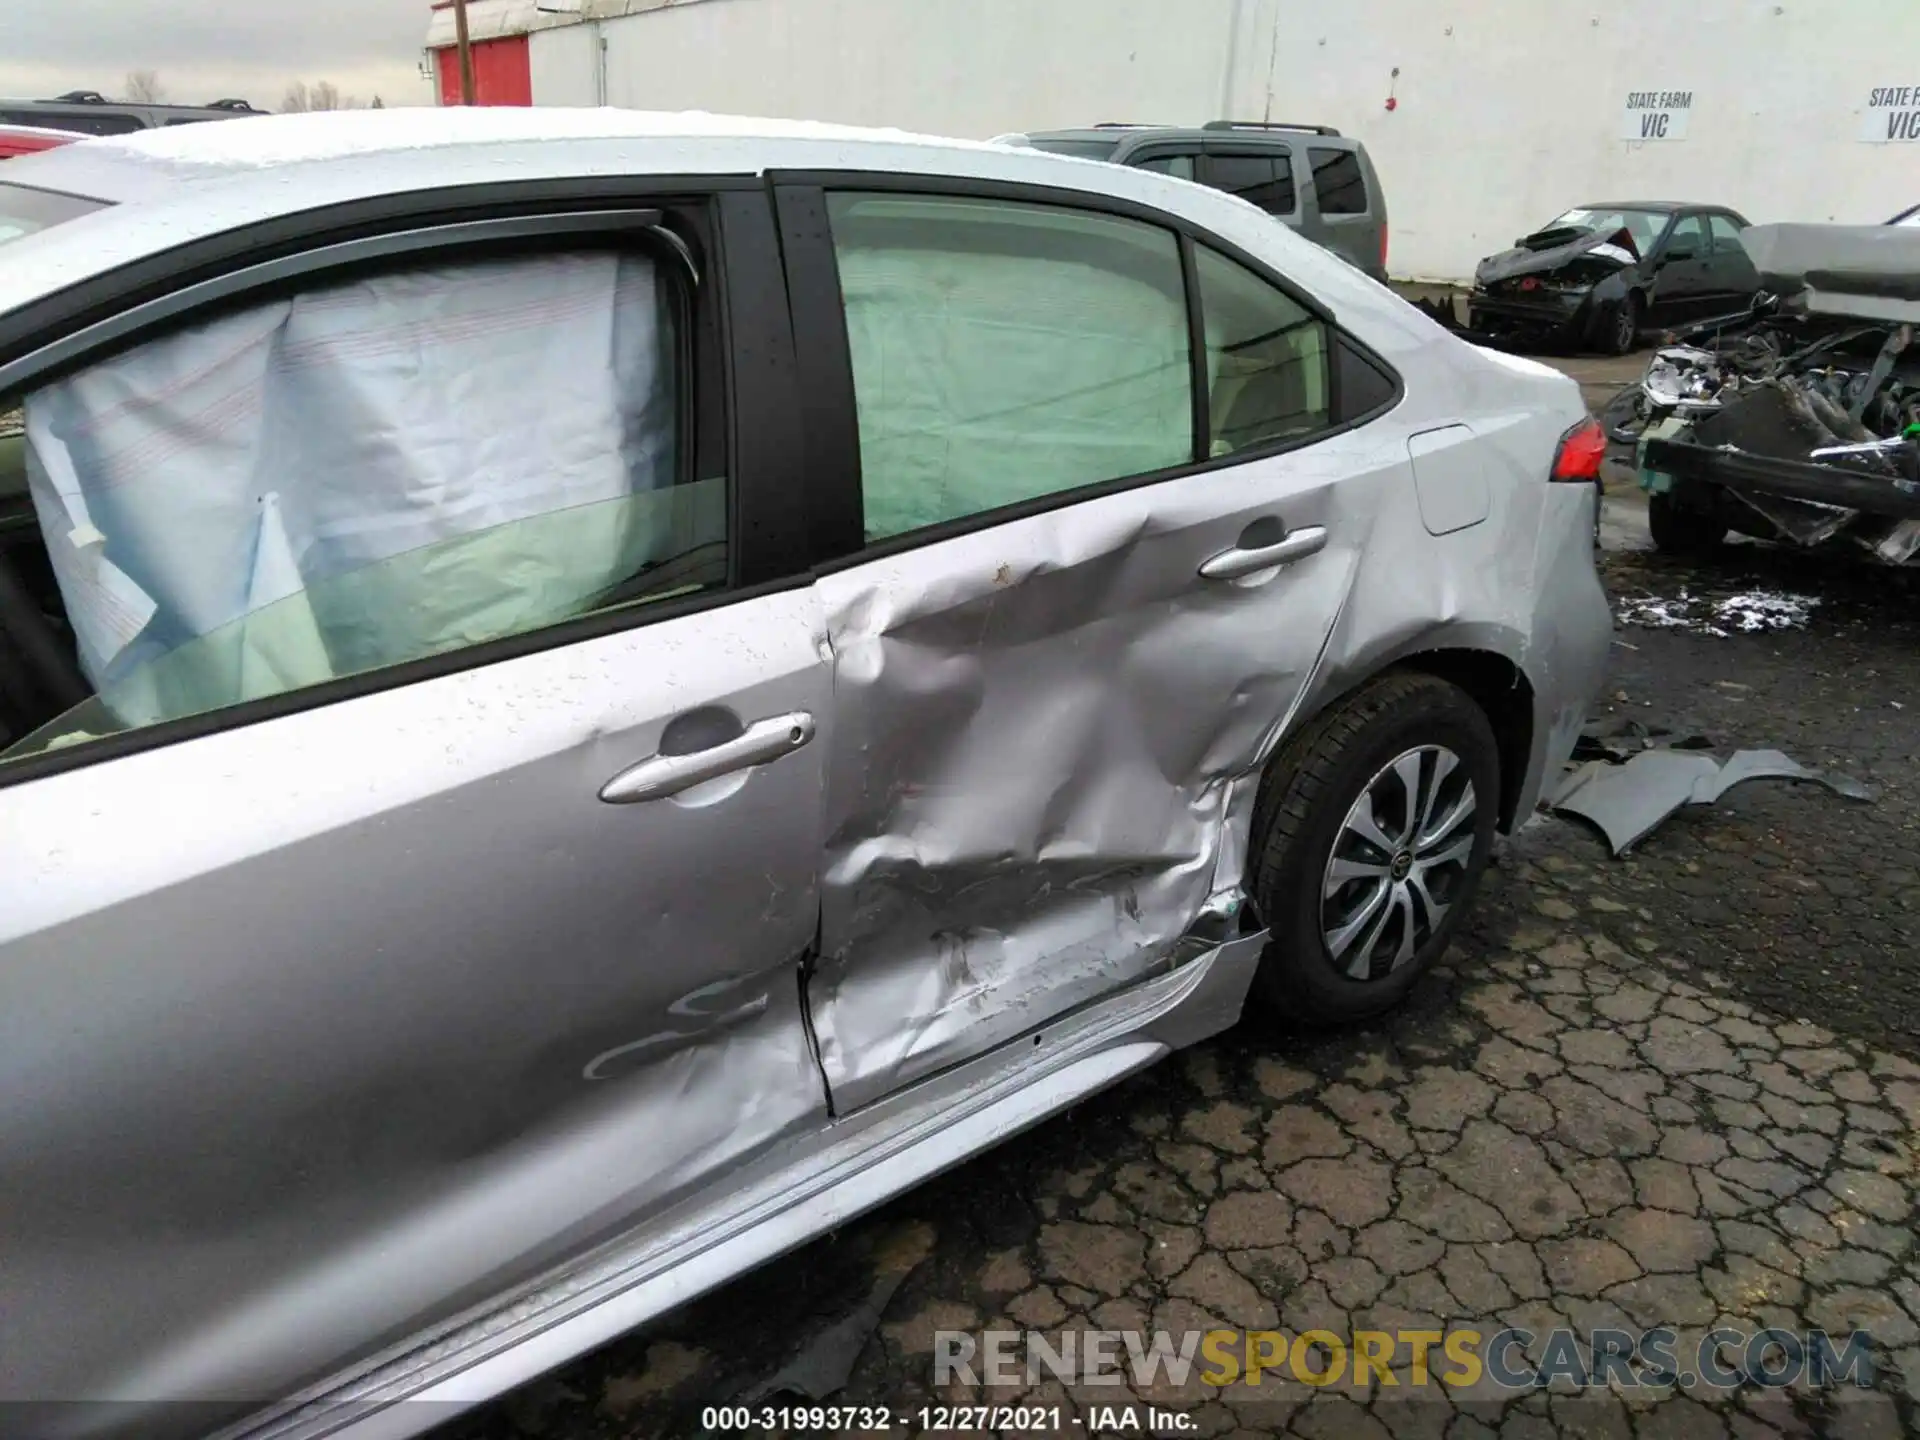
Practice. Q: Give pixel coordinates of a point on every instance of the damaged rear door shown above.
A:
(1066, 616)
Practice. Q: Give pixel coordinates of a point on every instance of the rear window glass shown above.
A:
(25, 211)
(1337, 182)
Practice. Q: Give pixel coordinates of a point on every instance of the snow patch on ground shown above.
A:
(1749, 613)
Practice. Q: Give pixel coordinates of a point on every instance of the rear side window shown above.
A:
(1267, 362)
(1726, 235)
(1004, 351)
(1264, 178)
(1338, 183)
(368, 472)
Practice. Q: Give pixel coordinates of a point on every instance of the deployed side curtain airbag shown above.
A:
(1002, 352)
(365, 474)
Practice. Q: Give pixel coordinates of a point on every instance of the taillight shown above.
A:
(1581, 450)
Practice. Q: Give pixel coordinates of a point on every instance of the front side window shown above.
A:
(1689, 238)
(1339, 187)
(1267, 368)
(1004, 351)
(366, 473)
(1263, 178)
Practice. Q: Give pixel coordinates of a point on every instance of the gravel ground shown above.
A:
(1678, 1088)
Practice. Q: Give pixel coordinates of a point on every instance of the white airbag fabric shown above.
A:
(358, 476)
(986, 376)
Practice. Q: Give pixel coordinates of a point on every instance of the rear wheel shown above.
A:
(1680, 529)
(1373, 830)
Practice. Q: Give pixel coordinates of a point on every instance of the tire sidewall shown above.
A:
(1294, 904)
(1626, 325)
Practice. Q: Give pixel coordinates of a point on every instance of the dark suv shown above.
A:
(90, 113)
(1311, 177)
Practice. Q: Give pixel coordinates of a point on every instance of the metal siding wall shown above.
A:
(957, 67)
(1508, 111)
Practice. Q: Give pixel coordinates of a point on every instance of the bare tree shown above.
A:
(378, 104)
(143, 87)
(321, 95)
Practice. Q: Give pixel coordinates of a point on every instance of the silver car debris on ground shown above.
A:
(592, 694)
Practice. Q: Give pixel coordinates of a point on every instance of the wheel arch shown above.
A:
(1493, 682)
(1501, 689)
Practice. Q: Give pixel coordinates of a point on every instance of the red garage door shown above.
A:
(501, 75)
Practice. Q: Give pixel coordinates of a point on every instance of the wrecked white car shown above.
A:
(589, 695)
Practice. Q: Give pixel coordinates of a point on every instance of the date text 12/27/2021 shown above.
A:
(940, 1419)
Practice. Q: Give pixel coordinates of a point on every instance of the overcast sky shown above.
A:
(205, 49)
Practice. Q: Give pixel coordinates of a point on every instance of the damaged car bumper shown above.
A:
(1562, 316)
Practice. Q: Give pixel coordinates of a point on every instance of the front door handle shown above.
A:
(1295, 545)
(665, 775)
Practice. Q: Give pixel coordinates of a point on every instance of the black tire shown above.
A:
(1620, 327)
(1679, 529)
(1309, 789)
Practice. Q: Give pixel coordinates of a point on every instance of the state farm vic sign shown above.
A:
(1656, 115)
(1892, 113)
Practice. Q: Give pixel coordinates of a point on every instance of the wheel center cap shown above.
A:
(1401, 864)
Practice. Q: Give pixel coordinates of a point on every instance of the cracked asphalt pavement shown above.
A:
(1676, 1089)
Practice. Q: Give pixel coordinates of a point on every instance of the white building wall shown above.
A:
(1506, 113)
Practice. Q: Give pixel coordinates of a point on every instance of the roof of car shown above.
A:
(190, 154)
(1656, 205)
(188, 181)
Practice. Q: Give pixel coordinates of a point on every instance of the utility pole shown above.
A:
(467, 96)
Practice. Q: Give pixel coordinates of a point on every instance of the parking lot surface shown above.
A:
(1680, 1088)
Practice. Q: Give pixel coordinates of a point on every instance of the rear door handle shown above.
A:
(664, 775)
(1295, 545)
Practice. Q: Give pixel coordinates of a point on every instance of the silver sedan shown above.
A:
(586, 695)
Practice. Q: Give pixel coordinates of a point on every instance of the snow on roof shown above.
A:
(185, 152)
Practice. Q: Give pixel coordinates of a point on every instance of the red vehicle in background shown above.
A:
(25, 139)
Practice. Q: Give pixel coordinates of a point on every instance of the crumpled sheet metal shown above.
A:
(1629, 802)
(1037, 733)
(1048, 735)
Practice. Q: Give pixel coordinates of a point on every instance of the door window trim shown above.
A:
(767, 499)
(820, 333)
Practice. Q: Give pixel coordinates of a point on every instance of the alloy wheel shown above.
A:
(1399, 861)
